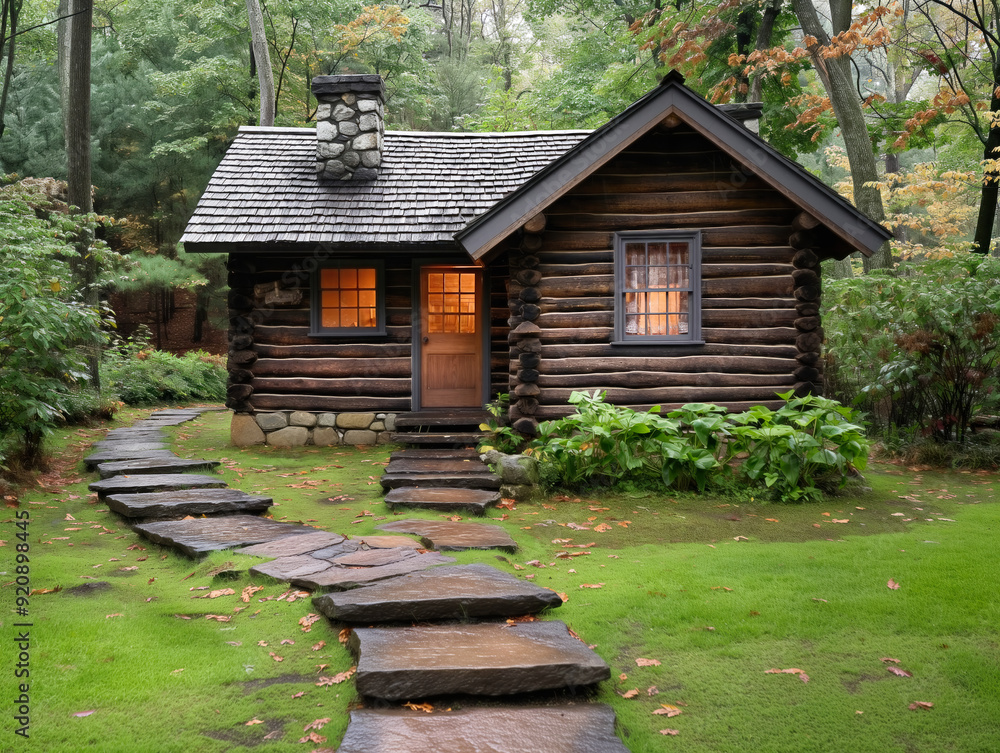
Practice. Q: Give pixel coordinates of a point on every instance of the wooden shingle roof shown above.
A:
(265, 192)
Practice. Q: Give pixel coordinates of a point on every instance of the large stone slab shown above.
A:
(441, 593)
(441, 480)
(127, 445)
(135, 434)
(154, 482)
(413, 453)
(153, 465)
(445, 535)
(287, 546)
(200, 535)
(480, 659)
(285, 568)
(474, 501)
(111, 456)
(437, 465)
(583, 728)
(186, 502)
(339, 578)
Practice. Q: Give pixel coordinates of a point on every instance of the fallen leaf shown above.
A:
(840, 521)
(591, 585)
(344, 635)
(652, 690)
(622, 677)
(316, 724)
(892, 585)
(318, 646)
(312, 737)
(602, 527)
(630, 693)
(899, 672)
(889, 659)
(253, 721)
(670, 731)
(299, 694)
(740, 538)
(771, 520)
(216, 594)
(791, 671)
(337, 678)
(925, 705)
(287, 642)
(250, 591)
(307, 621)
(116, 614)
(218, 617)
(426, 707)
(667, 710)
(275, 656)
(647, 662)
(84, 713)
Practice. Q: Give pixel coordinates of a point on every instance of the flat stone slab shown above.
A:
(441, 480)
(413, 453)
(135, 434)
(127, 445)
(372, 557)
(584, 728)
(437, 465)
(487, 658)
(388, 542)
(186, 502)
(441, 593)
(446, 535)
(200, 535)
(153, 465)
(339, 578)
(111, 456)
(285, 568)
(299, 543)
(154, 482)
(474, 501)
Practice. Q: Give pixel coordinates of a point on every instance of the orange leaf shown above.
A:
(889, 659)
(602, 527)
(892, 585)
(925, 705)
(312, 737)
(630, 693)
(318, 646)
(899, 672)
(647, 662)
(337, 678)
(591, 585)
(250, 591)
(317, 724)
(667, 710)
(253, 721)
(420, 707)
(670, 731)
(275, 656)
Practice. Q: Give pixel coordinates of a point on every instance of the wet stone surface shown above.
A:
(474, 501)
(441, 593)
(287, 546)
(285, 568)
(113, 456)
(186, 502)
(585, 728)
(448, 536)
(411, 453)
(153, 465)
(154, 482)
(436, 465)
(338, 578)
(439, 480)
(488, 659)
(128, 445)
(201, 535)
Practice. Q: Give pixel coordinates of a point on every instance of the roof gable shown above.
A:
(481, 237)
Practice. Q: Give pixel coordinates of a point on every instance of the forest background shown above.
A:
(894, 105)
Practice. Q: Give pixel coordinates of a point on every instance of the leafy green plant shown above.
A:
(43, 323)
(140, 375)
(807, 444)
(502, 437)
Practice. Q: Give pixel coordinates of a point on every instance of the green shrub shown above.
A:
(140, 375)
(920, 349)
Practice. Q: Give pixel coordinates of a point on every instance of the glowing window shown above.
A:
(348, 300)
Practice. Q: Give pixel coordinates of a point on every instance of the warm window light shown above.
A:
(451, 303)
(657, 288)
(348, 298)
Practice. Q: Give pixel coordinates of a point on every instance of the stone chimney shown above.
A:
(349, 126)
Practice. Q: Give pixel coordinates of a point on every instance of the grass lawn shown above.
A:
(716, 591)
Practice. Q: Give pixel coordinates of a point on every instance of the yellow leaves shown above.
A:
(373, 25)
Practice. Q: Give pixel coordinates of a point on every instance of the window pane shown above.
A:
(366, 279)
(349, 298)
(451, 282)
(468, 283)
(657, 325)
(468, 324)
(435, 283)
(366, 298)
(348, 317)
(657, 288)
(331, 318)
(656, 253)
(680, 253)
(368, 317)
(331, 299)
(329, 278)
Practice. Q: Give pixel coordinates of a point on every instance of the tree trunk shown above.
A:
(836, 76)
(991, 178)
(265, 75)
(8, 31)
(764, 33)
(63, 36)
(78, 159)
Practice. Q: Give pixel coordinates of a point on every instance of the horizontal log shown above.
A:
(329, 403)
(239, 391)
(706, 180)
(764, 335)
(288, 335)
(656, 379)
(240, 376)
(606, 303)
(368, 368)
(574, 287)
(634, 162)
(777, 254)
(598, 352)
(339, 387)
(334, 350)
(728, 364)
(550, 412)
(606, 220)
(618, 396)
(754, 287)
(748, 303)
(241, 358)
(709, 318)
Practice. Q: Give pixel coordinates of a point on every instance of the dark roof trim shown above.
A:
(319, 247)
(482, 236)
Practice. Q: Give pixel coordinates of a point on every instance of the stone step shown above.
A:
(130, 433)
(199, 535)
(583, 728)
(435, 453)
(441, 593)
(110, 456)
(155, 482)
(474, 501)
(153, 465)
(447, 418)
(436, 465)
(186, 502)
(439, 438)
(338, 577)
(446, 535)
(127, 445)
(491, 659)
(441, 480)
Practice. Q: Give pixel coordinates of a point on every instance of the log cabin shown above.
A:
(387, 279)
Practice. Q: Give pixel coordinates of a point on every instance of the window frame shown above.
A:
(316, 328)
(693, 335)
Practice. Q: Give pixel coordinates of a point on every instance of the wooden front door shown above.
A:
(451, 337)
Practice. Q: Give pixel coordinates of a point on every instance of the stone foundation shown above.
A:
(300, 428)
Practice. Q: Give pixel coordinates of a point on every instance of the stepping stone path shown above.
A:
(474, 648)
(452, 536)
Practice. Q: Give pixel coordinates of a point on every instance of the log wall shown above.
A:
(760, 287)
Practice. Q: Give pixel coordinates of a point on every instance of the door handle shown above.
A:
(426, 340)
